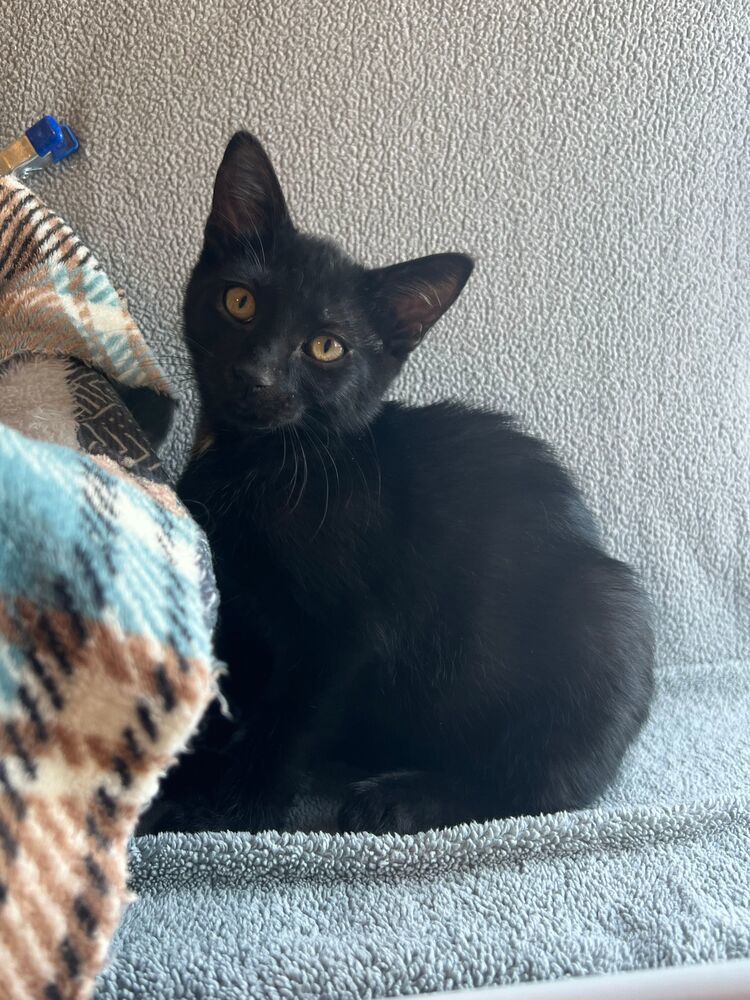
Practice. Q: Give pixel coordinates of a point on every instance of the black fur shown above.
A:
(416, 606)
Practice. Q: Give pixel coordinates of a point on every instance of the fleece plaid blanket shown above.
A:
(106, 602)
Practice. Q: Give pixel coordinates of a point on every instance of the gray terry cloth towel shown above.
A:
(659, 874)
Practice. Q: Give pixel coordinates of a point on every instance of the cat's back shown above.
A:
(446, 421)
(448, 445)
(468, 484)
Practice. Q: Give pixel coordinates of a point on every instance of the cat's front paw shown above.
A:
(388, 803)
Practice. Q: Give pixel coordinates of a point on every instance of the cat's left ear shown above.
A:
(248, 201)
(409, 297)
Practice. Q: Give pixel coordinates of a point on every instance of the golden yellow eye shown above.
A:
(239, 302)
(325, 348)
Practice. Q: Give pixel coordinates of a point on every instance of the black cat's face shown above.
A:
(285, 328)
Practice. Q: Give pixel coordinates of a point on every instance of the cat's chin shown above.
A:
(251, 425)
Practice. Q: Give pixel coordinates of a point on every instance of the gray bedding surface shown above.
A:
(657, 874)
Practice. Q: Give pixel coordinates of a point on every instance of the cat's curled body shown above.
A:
(416, 607)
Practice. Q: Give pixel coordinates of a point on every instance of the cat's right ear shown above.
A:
(248, 203)
(409, 297)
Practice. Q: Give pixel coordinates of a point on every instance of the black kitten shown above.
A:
(415, 601)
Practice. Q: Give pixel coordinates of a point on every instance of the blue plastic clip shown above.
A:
(48, 136)
(45, 142)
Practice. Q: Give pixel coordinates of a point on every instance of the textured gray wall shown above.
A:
(593, 157)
